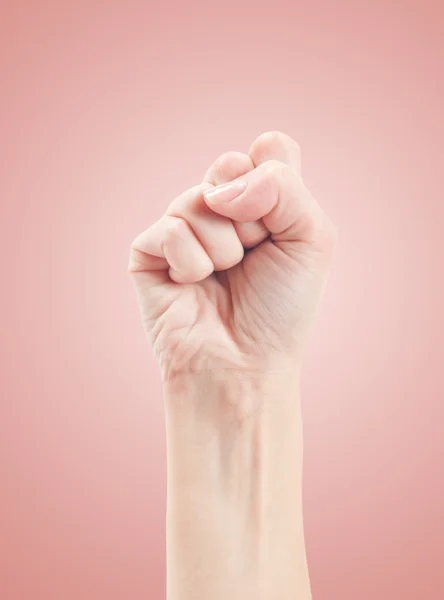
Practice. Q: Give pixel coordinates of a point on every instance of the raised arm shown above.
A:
(229, 281)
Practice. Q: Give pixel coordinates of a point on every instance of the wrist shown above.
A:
(244, 388)
(234, 479)
(228, 426)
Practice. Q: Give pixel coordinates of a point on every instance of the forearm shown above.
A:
(235, 526)
(229, 278)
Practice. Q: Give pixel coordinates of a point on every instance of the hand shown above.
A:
(228, 283)
(231, 276)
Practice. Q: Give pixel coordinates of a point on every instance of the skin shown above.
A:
(229, 281)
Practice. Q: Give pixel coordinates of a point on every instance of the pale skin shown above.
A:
(229, 281)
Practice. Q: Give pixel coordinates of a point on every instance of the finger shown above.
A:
(187, 258)
(227, 167)
(171, 245)
(274, 145)
(140, 262)
(147, 265)
(215, 233)
(146, 257)
(273, 192)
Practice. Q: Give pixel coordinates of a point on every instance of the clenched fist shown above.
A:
(230, 277)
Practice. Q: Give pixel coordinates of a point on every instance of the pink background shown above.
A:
(109, 110)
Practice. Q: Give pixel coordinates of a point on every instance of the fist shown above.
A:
(231, 276)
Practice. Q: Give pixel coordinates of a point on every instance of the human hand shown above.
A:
(231, 276)
(228, 281)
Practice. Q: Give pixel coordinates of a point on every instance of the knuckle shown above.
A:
(271, 137)
(227, 167)
(274, 139)
(267, 185)
(175, 226)
(279, 173)
(228, 160)
(278, 168)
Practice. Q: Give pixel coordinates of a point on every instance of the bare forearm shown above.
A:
(229, 281)
(235, 527)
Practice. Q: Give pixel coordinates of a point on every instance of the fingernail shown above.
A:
(226, 192)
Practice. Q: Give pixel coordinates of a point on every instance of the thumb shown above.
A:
(275, 193)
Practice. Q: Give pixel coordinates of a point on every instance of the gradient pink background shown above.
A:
(109, 110)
